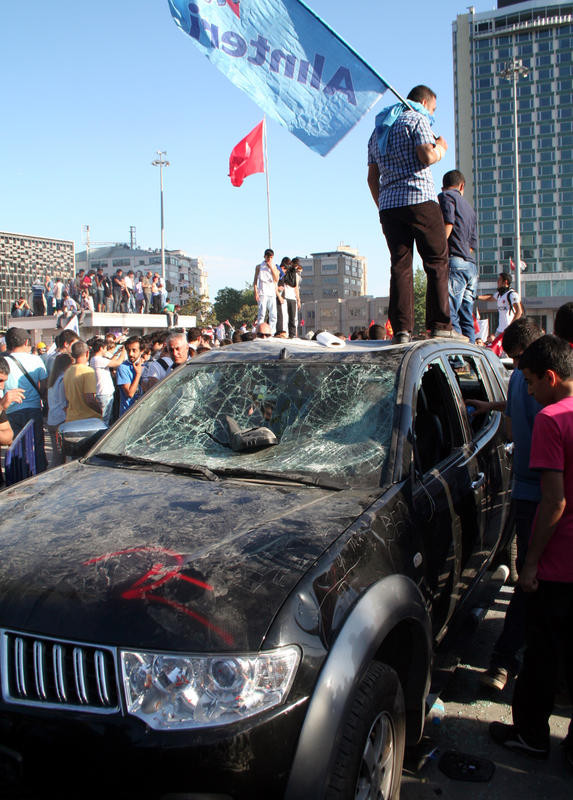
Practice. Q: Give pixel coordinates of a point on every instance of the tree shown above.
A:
(419, 301)
(236, 305)
(228, 303)
(200, 307)
(247, 313)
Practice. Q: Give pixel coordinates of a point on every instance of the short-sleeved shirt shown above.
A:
(404, 180)
(57, 402)
(104, 381)
(17, 379)
(457, 212)
(522, 409)
(79, 380)
(552, 449)
(505, 303)
(124, 377)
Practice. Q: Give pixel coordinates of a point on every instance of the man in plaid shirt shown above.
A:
(400, 152)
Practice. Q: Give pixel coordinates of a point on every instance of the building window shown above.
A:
(538, 289)
(331, 266)
(545, 74)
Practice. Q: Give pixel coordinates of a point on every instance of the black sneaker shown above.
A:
(509, 737)
(402, 337)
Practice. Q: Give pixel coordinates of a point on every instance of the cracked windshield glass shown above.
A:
(333, 419)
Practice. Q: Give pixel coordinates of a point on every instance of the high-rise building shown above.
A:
(541, 35)
(336, 274)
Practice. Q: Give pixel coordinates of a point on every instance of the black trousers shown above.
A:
(279, 316)
(423, 224)
(548, 657)
(291, 307)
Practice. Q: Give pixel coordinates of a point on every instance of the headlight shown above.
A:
(176, 691)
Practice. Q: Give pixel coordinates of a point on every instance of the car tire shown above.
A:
(368, 764)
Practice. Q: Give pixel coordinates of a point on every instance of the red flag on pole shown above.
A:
(247, 157)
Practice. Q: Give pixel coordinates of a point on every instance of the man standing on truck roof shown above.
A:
(400, 152)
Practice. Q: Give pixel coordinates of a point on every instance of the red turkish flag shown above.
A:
(247, 156)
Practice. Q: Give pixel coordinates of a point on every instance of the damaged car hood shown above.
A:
(159, 561)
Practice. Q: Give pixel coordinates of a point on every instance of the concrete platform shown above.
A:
(43, 329)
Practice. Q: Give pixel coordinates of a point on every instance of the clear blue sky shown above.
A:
(92, 90)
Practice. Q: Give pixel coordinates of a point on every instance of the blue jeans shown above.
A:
(462, 289)
(268, 302)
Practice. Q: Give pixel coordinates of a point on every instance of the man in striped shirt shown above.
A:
(400, 152)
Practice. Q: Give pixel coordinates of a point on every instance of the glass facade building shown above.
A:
(541, 35)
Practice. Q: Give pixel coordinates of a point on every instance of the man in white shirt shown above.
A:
(265, 287)
(101, 364)
(130, 291)
(508, 302)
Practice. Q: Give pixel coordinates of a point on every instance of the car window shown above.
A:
(472, 385)
(330, 418)
(437, 427)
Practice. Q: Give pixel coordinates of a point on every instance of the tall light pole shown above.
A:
(513, 70)
(160, 162)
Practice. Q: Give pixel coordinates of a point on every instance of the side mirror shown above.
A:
(79, 436)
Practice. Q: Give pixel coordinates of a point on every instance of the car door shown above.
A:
(490, 466)
(440, 484)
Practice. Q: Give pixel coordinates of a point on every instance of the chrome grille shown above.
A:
(58, 674)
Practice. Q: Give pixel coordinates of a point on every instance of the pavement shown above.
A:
(463, 727)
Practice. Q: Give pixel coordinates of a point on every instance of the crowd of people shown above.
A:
(142, 293)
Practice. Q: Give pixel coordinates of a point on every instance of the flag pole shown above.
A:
(267, 176)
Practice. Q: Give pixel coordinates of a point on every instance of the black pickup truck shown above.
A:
(238, 590)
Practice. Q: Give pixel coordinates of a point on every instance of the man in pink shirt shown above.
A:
(547, 573)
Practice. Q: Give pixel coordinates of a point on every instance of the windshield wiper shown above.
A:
(290, 477)
(159, 466)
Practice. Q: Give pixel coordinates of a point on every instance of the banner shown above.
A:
(247, 156)
(288, 61)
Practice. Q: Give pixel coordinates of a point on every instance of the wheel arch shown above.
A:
(390, 624)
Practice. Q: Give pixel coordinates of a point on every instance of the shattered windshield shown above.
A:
(329, 418)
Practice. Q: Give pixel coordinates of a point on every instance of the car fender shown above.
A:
(386, 605)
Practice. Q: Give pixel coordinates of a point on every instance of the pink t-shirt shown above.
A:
(552, 448)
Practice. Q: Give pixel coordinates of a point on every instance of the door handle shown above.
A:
(479, 482)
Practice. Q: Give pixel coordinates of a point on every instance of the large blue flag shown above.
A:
(288, 61)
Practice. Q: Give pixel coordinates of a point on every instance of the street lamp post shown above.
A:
(513, 70)
(160, 162)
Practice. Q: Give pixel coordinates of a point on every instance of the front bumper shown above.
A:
(74, 754)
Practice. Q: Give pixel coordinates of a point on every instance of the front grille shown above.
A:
(58, 674)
